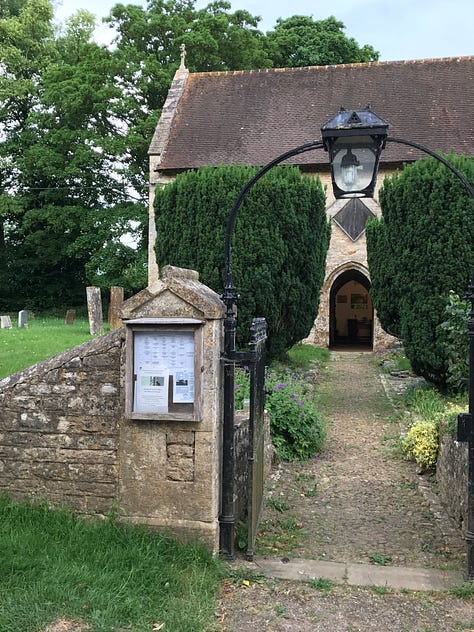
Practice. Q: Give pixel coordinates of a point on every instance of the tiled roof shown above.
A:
(249, 117)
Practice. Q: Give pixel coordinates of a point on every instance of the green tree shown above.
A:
(148, 54)
(279, 247)
(26, 42)
(426, 237)
(76, 121)
(74, 206)
(302, 41)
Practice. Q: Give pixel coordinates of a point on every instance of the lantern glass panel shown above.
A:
(353, 168)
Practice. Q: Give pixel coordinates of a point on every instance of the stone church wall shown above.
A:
(344, 254)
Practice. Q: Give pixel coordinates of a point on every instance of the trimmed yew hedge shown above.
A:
(279, 243)
(421, 248)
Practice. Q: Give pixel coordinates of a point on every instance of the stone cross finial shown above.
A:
(182, 48)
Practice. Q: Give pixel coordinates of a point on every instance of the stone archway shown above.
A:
(351, 313)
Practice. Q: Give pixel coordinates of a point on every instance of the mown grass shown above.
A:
(304, 356)
(55, 565)
(43, 338)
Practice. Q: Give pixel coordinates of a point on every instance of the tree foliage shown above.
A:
(64, 202)
(76, 120)
(421, 249)
(302, 41)
(279, 243)
(456, 328)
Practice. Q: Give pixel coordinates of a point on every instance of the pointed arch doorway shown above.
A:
(351, 313)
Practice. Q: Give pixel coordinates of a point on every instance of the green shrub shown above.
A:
(421, 249)
(457, 343)
(296, 427)
(279, 243)
(425, 403)
(241, 387)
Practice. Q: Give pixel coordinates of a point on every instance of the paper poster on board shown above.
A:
(151, 389)
(183, 387)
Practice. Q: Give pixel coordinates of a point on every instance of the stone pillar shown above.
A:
(170, 469)
(94, 308)
(116, 300)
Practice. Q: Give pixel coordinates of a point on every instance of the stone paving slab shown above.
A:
(359, 574)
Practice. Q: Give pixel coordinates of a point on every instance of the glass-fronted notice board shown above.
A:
(164, 364)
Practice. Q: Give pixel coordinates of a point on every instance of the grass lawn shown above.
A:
(43, 338)
(112, 577)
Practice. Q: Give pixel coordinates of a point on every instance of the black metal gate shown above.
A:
(256, 431)
(254, 358)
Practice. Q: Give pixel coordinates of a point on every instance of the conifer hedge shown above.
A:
(422, 248)
(279, 243)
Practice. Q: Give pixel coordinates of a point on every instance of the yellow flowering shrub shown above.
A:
(421, 443)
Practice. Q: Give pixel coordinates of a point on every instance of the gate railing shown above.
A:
(256, 431)
(254, 358)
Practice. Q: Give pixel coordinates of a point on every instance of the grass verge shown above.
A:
(305, 356)
(43, 338)
(112, 577)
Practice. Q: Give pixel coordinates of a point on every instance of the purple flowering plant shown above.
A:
(296, 427)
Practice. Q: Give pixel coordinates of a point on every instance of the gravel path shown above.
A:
(356, 501)
(353, 503)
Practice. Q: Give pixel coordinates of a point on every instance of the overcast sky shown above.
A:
(398, 29)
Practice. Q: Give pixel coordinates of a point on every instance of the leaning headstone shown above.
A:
(70, 316)
(23, 318)
(5, 322)
(94, 309)
(116, 299)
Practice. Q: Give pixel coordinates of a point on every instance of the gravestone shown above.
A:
(23, 318)
(70, 316)
(94, 309)
(5, 322)
(116, 300)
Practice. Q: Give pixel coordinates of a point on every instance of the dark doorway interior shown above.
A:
(351, 315)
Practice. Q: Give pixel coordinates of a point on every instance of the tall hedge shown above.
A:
(422, 248)
(279, 243)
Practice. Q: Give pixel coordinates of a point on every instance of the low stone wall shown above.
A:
(59, 427)
(451, 476)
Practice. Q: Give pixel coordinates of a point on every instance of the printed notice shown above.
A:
(183, 387)
(151, 390)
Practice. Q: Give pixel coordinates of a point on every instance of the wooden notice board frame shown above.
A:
(163, 369)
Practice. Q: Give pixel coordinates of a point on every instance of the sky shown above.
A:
(398, 30)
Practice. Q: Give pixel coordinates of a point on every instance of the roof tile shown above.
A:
(250, 117)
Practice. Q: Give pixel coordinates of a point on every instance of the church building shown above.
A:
(251, 117)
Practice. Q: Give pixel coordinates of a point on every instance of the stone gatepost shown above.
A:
(170, 441)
